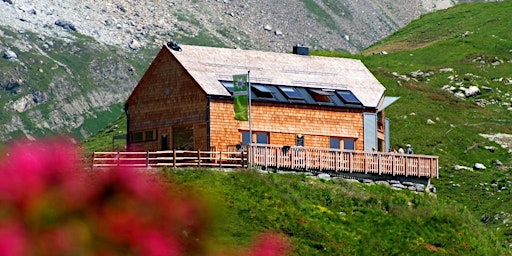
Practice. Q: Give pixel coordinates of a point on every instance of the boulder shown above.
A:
(134, 44)
(497, 163)
(65, 25)
(324, 176)
(479, 166)
(461, 167)
(471, 91)
(444, 70)
(10, 55)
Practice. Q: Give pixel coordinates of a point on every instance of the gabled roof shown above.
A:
(208, 66)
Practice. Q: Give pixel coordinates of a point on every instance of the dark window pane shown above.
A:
(261, 138)
(228, 85)
(348, 144)
(246, 138)
(183, 138)
(319, 95)
(262, 91)
(149, 135)
(299, 140)
(348, 97)
(334, 143)
(137, 136)
(291, 93)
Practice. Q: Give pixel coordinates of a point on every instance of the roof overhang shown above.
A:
(388, 100)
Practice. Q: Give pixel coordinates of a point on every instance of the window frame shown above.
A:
(321, 96)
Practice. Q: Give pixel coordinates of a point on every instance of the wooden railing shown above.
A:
(331, 160)
(170, 158)
(279, 157)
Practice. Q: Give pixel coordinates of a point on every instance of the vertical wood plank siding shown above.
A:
(283, 122)
(170, 98)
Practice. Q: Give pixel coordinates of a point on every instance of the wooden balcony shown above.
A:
(279, 158)
(331, 160)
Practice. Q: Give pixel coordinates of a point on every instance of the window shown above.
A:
(334, 143)
(228, 85)
(320, 95)
(261, 138)
(291, 93)
(348, 144)
(380, 121)
(299, 140)
(149, 135)
(348, 97)
(183, 137)
(246, 137)
(262, 91)
(137, 137)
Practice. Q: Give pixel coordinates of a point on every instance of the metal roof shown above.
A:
(209, 65)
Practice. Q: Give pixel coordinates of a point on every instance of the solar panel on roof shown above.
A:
(348, 97)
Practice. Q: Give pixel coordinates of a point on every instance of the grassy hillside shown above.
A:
(337, 217)
(474, 41)
(469, 45)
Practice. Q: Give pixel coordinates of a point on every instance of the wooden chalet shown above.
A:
(184, 101)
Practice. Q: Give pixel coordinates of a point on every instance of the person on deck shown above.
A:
(408, 149)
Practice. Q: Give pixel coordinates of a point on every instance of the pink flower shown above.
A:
(49, 205)
(12, 239)
(269, 244)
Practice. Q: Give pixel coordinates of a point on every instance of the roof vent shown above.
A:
(300, 50)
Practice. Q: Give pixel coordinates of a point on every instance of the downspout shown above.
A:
(208, 123)
(127, 141)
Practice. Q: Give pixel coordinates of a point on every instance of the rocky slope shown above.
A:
(68, 65)
(270, 25)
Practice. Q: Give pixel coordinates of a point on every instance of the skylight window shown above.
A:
(320, 95)
(228, 85)
(291, 93)
(348, 97)
(262, 91)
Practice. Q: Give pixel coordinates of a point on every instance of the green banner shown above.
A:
(240, 96)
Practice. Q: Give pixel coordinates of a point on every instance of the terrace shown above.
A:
(273, 157)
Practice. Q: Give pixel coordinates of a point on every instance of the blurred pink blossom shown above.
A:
(51, 205)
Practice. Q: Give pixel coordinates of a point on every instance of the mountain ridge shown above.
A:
(69, 65)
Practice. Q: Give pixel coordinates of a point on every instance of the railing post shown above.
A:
(351, 161)
(198, 158)
(147, 159)
(292, 158)
(379, 156)
(118, 158)
(393, 165)
(336, 160)
(320, 161)
(406, 166)
(220, 159)
(92, 161)
(174, 158)
(277, 158)
(365, 165)
(419, 167)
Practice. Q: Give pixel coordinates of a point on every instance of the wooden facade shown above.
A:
(180, 103)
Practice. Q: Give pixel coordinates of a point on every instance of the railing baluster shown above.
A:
(271, 156)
